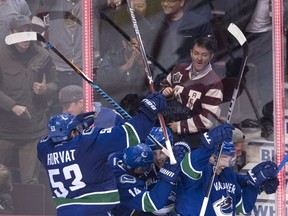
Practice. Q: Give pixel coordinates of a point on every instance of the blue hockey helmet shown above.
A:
(58, 127)
(157, 133)
(140, 155)
(229, 150)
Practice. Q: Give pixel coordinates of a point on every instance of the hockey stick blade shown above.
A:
(34, 36)
(20, 37)
(237, 33)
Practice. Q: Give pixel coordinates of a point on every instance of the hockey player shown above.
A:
(81, 181)
(150, 177)
(129, 167)
(159, 160)
(230, 191)
(149, 182)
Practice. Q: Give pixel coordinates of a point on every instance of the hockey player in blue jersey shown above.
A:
(158, 194)
(230, 191)
(151, 177)
(81, 181)
(129, 166)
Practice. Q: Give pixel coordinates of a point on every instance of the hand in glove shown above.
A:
(168, 172)
(83, 121)
(217, 135)
(152, 105)
(270, 186)
(261, 172)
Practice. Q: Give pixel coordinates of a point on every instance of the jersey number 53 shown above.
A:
(60, 190)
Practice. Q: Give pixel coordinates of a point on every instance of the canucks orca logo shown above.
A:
(125, 178)
(223, 206)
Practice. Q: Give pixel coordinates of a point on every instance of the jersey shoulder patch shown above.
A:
(126, 178)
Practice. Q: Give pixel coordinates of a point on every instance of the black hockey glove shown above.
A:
(270, 186)
(152, 105)
(217, 135)
(262, 172)
(168, 172)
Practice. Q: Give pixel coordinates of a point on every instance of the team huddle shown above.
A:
(122, 171)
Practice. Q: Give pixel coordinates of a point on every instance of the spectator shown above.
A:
(145, 21)
(27, 77)
(86, 153)
(65, 33)
(254, 19)
(230, 192)
(238, 139)
(71, 99)
(195, 93)
(6, 202)
(123, 69)
(202, 7)
(176, 29)
(9, 9)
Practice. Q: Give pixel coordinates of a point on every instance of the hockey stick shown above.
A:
(283, 162)
(35, 36)
(239, 36)
(149, 78)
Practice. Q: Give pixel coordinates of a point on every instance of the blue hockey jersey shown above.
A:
(81, 180)
(133, 191)
(230, 191)
(151, 178)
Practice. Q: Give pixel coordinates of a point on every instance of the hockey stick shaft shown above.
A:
(34, 36)
(150, 79)
(283, 162)
(252, 102)
(128, 38)
(239, 36)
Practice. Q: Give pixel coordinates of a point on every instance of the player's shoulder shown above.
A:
(127, 179)
(44, 144)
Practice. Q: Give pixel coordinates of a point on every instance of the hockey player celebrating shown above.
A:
(155, 194)
(150, 177)
(159, 160)
(81, 181)
(230, 191)
(129, 167)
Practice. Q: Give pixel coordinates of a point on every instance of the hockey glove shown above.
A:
(270, 186)
(180, 149)
(262, 172)
(168, 172)
(152, 105)
(217, 135)
(84, 120)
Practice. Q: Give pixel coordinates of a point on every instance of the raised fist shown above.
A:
(262, 172)
(152, 105)
(270, 186)
(217, 135)
(168, 172)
